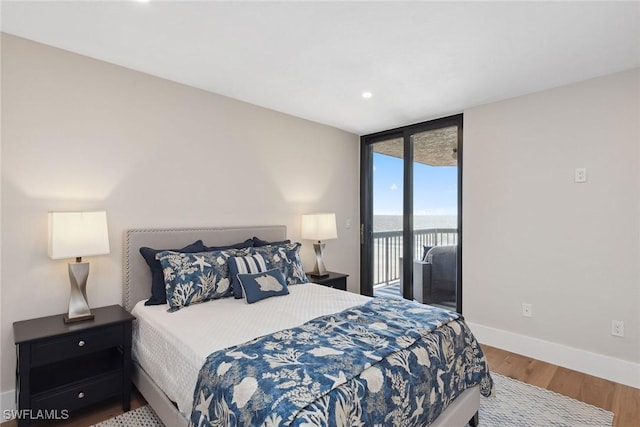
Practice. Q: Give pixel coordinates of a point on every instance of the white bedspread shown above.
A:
(171, 347)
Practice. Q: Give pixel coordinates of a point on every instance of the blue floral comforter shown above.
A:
(387, 362)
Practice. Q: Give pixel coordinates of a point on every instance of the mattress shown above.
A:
(172, 347)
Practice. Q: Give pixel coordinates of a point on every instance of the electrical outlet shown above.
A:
(581, 175)
(527, 310)
(617, 328)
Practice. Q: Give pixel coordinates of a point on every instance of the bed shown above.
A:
(167, 359)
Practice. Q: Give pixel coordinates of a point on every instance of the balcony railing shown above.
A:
(387, 250)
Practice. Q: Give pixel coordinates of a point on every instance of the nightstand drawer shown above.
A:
(79, 394)
(332, 280)
(74, 345)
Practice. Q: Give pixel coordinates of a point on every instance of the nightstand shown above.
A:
(333, 280)
(65, 366)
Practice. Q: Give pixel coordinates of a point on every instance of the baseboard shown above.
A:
(610, 368)
(7, 405)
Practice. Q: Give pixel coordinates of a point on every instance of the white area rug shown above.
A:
(141, 417)
(515, 404)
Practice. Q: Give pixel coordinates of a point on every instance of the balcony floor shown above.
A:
(390, 290)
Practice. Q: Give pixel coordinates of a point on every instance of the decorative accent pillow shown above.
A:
(286, 257)
(246, 244)
(196, 277)
(259, 286)
(158, 293)
(244, 265)
(257, 242)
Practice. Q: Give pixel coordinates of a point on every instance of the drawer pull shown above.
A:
(81, 395)
(80, 343)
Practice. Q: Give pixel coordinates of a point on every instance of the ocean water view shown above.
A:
(387, 247)
(420, 222)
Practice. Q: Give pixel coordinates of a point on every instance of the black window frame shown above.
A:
(366, 201)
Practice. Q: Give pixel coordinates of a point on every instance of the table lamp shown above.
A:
(74, 235)
(319, 227)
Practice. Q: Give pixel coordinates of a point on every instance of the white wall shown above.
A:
(532, 235)
(80, 134)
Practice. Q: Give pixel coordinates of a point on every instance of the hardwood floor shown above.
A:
(623, 401)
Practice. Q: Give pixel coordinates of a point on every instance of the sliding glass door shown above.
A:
(411, 212)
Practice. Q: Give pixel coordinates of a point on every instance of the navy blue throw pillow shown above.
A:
(246, 244)
(257, 242)
(259, 286)
(158, 292)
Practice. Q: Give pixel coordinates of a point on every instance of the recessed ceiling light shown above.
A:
(367, 94)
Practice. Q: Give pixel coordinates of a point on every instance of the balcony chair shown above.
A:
(435, 276)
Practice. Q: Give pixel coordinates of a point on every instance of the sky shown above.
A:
(435, 187)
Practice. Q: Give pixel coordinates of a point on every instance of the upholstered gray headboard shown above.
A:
(137, 276)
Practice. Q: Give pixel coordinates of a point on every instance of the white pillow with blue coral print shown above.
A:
(285, 257)
(191, 278)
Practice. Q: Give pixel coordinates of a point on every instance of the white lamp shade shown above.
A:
(319, 226)
(77, 234)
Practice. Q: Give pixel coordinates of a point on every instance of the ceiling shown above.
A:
(421, 60)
